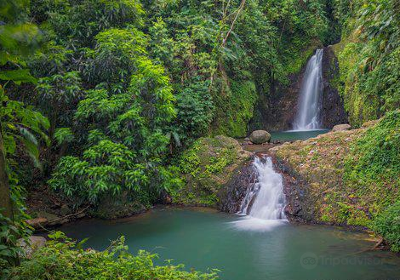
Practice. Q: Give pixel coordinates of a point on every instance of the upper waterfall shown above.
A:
(308, 114)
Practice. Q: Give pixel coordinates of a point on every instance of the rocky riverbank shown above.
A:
(314, 171)
(346, 178)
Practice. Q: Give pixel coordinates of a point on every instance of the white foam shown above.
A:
(265, 198)
(249, 223)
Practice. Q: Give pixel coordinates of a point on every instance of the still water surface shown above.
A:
(293, 135)
(203, 239)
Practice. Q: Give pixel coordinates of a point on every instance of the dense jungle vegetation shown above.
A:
(101, 98)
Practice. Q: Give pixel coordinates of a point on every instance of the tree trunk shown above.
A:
(5, 194)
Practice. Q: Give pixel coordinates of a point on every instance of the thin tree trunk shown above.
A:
(242, 4)
(5, 194)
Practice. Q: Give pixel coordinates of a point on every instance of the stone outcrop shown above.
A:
(46, 219)
(313, 170)
(233, 193)
(207, 167)
(276, 109)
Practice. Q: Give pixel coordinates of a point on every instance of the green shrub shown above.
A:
(62, 258)
(388, 225)
(372, 171)
(369, 61)
(10, 251)
(195, 109)
(375, 157)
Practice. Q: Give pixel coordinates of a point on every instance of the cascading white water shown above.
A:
(311, 89)
(264, 202)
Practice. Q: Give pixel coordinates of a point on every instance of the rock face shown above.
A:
(207, 167)
(341, 127)
(260, 137)
(314, 172)
(233, 193)
(333, 111)
(276, 107)
(299, 201)
(37, 223)
(276, 110)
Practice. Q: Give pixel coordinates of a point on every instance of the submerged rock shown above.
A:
(260, 137)
(341, 127)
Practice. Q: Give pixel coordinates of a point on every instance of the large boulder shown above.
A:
(206, 168)
(341, 127)
(260, 137)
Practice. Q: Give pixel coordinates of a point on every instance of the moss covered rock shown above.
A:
(314, 170)
(206, 168)
(345, 177)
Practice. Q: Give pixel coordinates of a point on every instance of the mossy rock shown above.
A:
(346, 177)
(207, 167)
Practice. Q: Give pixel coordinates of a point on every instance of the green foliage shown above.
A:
(21, 125)
(126, 143)
(388, 225)
(64, 259)
(19, 122)
(115, 57)
(369, 61)
(18, 37)
(373, 166)
(195, 110)
(10, 232)
(122, 124)
(77, 23)
(63, 135)
(234, 115)
(107, 167)
(375, 158)
(206, 166)
(57, 97)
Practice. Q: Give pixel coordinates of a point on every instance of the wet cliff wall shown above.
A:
(333, 111)
(276, 107)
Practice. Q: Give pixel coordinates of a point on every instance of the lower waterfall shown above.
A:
(264, 203)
